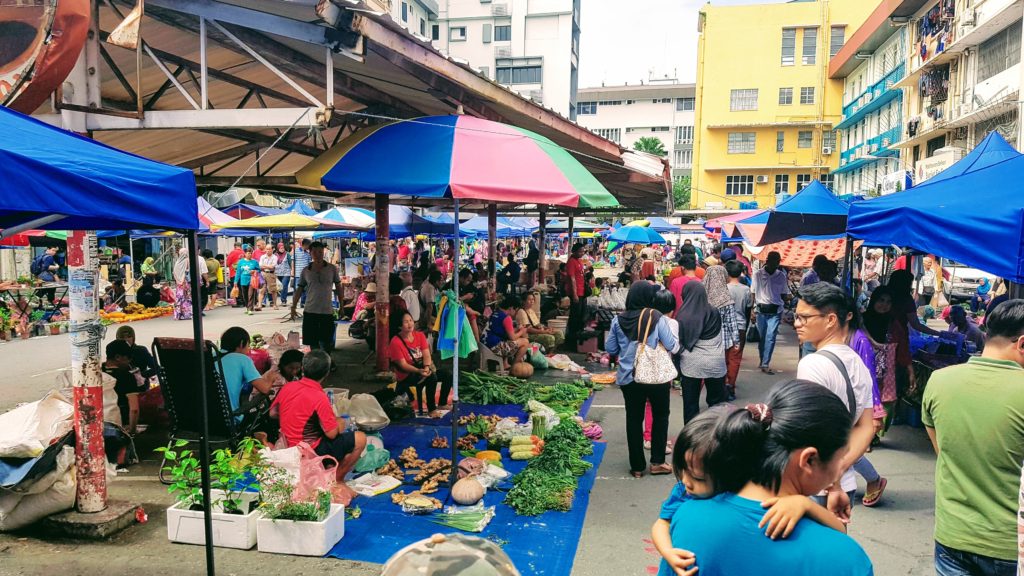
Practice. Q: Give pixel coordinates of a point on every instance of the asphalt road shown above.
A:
(615, 540)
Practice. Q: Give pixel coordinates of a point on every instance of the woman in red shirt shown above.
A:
(413, 366)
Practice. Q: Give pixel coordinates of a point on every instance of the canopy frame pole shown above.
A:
(542, 261)
(382, 275)
(492, 248)
(204, 438)
(453, 476)
(30, 225)
(86, 380)
(848, 265)
(572, 224)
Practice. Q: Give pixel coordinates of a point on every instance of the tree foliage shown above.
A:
(681, 192)
(651, 145)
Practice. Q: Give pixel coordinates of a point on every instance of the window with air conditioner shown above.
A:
(742, 142)
(743, 99)
(739, 185)
(828, 140)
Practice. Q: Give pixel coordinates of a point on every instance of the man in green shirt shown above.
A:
(974, 414)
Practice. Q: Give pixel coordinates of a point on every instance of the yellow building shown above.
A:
(765, 104)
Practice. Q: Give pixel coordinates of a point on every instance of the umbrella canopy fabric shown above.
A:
(48, 171)
(243, 211)
(719, 224)
(286, 221)
(636, 235)
(800, 252)
(957, 218)
(457, 157)
(992, 150)
(359, 217)
(811, 211)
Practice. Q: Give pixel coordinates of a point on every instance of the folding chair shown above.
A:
(176, 370)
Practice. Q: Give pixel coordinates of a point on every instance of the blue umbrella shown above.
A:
(636, 235)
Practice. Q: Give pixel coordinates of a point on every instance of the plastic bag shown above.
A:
(313, 476)
(492, 476)
(287, 459)
(539, 361)
(535, 407)
(366, 412)
(111, 413)
(372, 459)
(28, 429)
(54, 492)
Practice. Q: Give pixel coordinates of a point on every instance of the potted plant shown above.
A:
(302, 528)
(36, 322)
(234, 510)
(54, 328)
(6, 323)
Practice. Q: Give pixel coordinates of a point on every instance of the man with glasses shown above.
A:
(822, 318)
(973, 415)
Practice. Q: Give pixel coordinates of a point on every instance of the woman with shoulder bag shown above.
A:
(641, 339)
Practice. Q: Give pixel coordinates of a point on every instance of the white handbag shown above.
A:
(652, 365)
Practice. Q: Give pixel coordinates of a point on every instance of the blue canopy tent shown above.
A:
(950, 216)
(300, 207)
(813, 211)
(402, 223)
(64, 181)
(659, 224)
(578, 225)
(505, 227)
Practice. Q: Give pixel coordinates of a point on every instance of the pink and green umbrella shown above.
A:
(459, 157)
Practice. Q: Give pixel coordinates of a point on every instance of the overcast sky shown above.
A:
(626, 40)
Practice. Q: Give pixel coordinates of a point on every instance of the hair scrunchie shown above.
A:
(761, 414)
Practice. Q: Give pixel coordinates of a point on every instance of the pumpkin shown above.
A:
(489, 455)
(522, 370)
(467, 491)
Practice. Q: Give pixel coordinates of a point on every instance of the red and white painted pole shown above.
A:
(86, 338)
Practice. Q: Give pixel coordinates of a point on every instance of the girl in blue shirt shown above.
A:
(244, 270)
(790, 446)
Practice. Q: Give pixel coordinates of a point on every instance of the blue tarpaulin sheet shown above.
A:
(543, 545)
(48, 171)
(958, 217)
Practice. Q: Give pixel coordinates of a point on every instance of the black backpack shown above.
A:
(37, 265)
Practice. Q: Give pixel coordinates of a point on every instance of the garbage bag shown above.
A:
(54, 492)
(372, 458)
(28, 429)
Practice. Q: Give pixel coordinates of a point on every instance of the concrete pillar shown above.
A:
(86, 339)
(382, 272)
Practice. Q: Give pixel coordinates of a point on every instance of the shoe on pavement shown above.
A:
(647, 444)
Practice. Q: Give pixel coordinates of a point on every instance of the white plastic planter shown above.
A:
(229, 530)
(301, 538)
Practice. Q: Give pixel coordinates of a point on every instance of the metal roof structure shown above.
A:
(246, 92)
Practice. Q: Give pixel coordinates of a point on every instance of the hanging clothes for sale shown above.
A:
(452, 321)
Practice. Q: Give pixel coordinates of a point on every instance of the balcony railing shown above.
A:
(872, 146)
(874, 91)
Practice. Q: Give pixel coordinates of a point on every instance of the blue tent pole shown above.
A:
(454, 474)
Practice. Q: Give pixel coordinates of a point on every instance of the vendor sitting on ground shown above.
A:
(413, 366)
(239, 372)
(503, 338)
(961, 324)
(141, 358)
(148, 295)
(128, 387)
(306, 415)
(536, 331)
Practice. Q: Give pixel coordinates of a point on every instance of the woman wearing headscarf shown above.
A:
(702, 350)
(981, 295)
(716, 283)
(182, 292)
(148, 268)
(626, 330)
(885, 333)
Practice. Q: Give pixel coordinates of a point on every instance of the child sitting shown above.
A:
(693, 448)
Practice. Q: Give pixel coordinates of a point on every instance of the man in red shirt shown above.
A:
(233, 257)
(575, 289)
(688, 262)
(306, 415)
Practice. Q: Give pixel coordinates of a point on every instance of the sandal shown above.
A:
(660, 469)
(871, 499)
(768, 370)
(636, 474)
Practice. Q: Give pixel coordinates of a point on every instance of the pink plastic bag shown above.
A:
(313, 477)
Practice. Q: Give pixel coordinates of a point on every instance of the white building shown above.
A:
(530, 46)
(624, 114)
(418, 16)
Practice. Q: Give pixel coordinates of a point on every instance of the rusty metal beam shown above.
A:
(265, 139)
